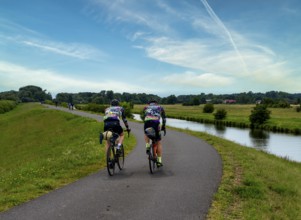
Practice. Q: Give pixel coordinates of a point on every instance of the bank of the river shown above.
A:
(286, 120)
(255, 184)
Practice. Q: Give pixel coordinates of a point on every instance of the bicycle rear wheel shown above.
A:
(152, 159)
(120, 161)
(111, 161)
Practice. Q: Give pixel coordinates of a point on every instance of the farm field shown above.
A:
(286, 118)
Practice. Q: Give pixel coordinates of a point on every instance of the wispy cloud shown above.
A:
(205, 80)
(130, 12)
(223, 27)
(14, 33)
(75, 50)
(14, 76)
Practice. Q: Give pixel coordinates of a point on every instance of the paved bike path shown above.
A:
(182, 189)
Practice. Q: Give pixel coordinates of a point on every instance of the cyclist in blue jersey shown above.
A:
(152, 115)
(112, 117)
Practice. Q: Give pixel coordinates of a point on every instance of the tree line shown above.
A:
(36, 94)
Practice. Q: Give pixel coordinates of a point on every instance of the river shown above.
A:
(279, 144)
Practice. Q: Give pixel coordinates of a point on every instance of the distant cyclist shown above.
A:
(152, 115)
(112, 117)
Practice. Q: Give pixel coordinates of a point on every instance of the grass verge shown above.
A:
(255, 184)
(43, 149)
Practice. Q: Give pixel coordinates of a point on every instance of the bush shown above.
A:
(7, 105)
(220, 114)
(93, 107)
(208, 108)
(127, 109)
(298, 109)
(259, 115)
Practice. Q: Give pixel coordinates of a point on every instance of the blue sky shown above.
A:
(161, 47)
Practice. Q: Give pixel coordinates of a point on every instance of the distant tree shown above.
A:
(196, 101)
(110, 95)
(208, 108)
(172, 99)
(203, 100)
(220, 114)
(33, 94)
(259, 115)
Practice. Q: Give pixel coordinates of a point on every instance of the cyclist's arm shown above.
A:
(125, 121)
(163, 115)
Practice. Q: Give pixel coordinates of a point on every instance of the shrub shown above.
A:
(93, 107)
(7, 105)
(259, 115)
(220, 114)
(127, 108)
(208, 108)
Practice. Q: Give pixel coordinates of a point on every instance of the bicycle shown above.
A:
(113, 155)
(152, 154)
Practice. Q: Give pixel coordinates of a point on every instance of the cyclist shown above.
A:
(112, 117)
(152, 115)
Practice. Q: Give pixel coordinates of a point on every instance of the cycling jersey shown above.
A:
(154, 112)
(114, 113)
(112, 118)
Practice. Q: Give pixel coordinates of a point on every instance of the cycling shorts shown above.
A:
(113, 126)
(156, 126)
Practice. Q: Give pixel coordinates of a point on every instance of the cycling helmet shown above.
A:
(114, 102)
(150, 132)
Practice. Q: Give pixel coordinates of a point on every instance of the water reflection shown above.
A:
(259, 138)
(220, 129)
(283, 145)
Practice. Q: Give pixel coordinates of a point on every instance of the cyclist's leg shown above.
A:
(147, 144)
(107, 126)
(159, 151)
(159, 145)
(118, 129)
(121, 138)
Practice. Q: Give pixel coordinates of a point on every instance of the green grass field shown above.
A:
(43, 149)
(286, 118)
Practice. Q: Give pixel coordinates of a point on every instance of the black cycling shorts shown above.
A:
(156, 126)
(113, 126)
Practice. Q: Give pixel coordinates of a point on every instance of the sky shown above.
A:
(161, 47)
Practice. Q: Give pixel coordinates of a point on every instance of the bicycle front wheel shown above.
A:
(111, 161)
(121, 158)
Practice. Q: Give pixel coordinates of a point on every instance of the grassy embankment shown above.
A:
(255, 185)
(282, 119)
(43, 149)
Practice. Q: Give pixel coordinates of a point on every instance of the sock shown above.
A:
(118, 146)
(147, 145)
(159, 159)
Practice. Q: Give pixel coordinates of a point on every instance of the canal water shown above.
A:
(279, 144)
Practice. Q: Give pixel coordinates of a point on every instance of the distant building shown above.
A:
(229, 101)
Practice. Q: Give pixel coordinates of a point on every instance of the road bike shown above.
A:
(152, 154)
(113, 155)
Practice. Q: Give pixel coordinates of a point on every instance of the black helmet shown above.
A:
(114, 102)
